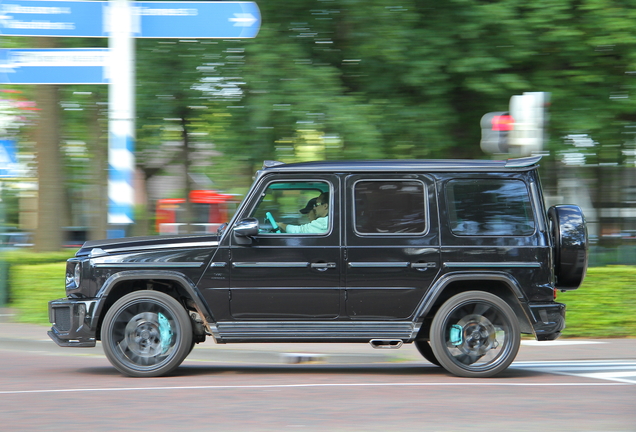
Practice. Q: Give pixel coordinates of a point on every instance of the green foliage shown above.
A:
(25, 257)
(357, 79)
(32, 287)
(412, 81)
(603, 307)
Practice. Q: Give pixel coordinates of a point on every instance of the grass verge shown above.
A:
(604, 305)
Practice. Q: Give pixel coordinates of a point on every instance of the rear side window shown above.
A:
(489, 207)
(389, 207)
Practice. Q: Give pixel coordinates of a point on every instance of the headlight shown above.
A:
(77, 274)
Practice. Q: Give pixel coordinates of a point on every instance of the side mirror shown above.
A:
(244, 230)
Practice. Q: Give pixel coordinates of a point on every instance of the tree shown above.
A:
(51, 197)
(371, 79)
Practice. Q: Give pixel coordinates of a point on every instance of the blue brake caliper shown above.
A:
(165, 330)
(456, 336)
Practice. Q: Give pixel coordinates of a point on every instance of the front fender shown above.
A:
(177, 277)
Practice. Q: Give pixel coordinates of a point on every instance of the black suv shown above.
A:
(458, 257)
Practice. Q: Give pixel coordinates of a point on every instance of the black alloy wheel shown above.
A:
(146, 334)
(475, 334)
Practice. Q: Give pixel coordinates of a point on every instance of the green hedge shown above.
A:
(603, 307)
(32, 287)
(28, 257)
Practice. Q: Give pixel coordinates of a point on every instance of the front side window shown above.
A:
(294, 207)
(390, 207)
(489, 207)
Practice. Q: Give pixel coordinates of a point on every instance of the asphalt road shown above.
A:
(568, 385)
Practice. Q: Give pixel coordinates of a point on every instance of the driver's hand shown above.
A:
(282, 225)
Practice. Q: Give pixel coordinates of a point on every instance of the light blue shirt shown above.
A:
(316, 226)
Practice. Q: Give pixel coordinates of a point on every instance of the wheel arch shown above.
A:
(172, 283)
(500, 284)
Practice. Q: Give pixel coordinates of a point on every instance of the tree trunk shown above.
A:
(99, 169)
(188, 213)
(51, 208)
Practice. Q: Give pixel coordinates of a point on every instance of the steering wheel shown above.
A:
(270, 218)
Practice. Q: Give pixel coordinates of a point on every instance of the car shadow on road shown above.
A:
(386, 369)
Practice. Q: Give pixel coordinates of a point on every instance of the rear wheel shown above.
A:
(146, 334)
(424, 347)
(475, 334)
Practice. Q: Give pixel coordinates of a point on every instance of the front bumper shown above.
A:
(73, 323)
(549, 320)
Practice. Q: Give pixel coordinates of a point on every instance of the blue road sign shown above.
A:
(54, 66)
(52, 18)
(215, 20)
(8, 162)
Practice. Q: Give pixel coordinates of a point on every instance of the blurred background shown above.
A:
(329, 79)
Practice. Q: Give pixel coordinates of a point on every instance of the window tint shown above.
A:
(388, 207)
(489, 207)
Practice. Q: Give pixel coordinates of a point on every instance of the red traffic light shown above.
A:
(503, 122)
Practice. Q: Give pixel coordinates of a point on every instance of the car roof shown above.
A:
(401, 165)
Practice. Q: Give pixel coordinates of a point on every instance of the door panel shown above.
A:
(288, 276)
(392, 250)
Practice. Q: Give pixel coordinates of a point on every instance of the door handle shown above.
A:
(423, 266)
(323, 266)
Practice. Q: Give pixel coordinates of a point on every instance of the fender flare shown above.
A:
(426, 304)
(181, 279)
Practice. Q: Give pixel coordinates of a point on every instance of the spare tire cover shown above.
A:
(569, 233)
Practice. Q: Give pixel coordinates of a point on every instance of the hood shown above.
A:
(129, 244)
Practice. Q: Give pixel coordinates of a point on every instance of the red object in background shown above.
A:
(209, 209)
(503, 123)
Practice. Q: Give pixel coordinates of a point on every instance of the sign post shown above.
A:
(121, 113)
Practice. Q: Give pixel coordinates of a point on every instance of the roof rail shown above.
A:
(522, 162)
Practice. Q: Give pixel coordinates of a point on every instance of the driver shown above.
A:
(310, 209)
(317, 226)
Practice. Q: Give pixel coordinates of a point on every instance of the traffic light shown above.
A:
(495, 129)
(530, 113)
(519, 132)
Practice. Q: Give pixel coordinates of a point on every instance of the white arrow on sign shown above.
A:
(243, 19)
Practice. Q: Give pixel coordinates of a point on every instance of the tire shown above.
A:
(475, 334)
(569, 235)
(146, 334)
(424, 347)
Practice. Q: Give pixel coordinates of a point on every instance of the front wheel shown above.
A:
(146, 334)
(475, 334)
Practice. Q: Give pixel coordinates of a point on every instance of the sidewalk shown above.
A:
(6, 315)
(30, 337)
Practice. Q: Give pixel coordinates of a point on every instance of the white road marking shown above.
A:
(625, 377)
(617, 371)
(310, 385)
(610, 373)
(558, 342)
